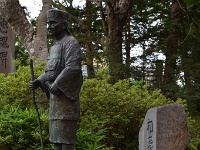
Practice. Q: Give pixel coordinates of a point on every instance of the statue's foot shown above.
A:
(63, 146)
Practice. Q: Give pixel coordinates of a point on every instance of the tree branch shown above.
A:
(16, 18)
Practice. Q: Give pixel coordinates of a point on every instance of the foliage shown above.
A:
(21, 54)
(119, 108)
(19, 128)
(147, 30)
(15, 87)
(191, 3)
(89, 140)
(193, 123)
(18, 122)
(111, 115)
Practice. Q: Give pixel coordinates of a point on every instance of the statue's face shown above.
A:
(54, 26)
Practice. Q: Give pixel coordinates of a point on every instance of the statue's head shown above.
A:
(57, 20)
(58, 15)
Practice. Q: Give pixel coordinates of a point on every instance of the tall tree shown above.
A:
(169, 81)
(190, 52)
(40, 40)
(15, 15)
(89, 50)
(85, 24)
(117, 11)
(127, 42)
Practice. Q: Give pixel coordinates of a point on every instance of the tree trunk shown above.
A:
(15, 16)
(169, 81)
(40, 41)
(128, 48)
(89, 50)
(117, 16)
(158, 74)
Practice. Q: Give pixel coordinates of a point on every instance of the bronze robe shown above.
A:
(63, 68)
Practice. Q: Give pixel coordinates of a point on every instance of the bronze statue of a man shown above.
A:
(61, 81)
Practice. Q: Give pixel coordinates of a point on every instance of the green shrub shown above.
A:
(111, 115)
(193, 123)
(18, 122)
(119, 108)
(15, 87)
(89, 140)
(19, 129)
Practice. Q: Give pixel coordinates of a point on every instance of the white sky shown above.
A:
(34, 6)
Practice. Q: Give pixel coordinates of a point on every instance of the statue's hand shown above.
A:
(54, 89)
(34, 84)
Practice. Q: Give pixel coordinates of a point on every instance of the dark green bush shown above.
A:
(119, 108)
(89, 140)
(15, 87)
(18, 122)
(19, 129)
(111, 115)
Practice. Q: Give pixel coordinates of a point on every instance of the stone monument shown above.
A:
(7, 48)
(164, 128)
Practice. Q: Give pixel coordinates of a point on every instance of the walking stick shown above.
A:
(35, 105)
